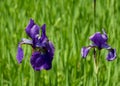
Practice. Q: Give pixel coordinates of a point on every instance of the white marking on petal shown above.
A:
(26, 41)
(104, 36)
(91, 37)
(82, 51)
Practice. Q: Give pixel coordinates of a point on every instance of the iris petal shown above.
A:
(20, 54)
(37, 61)
(112, 52)
(41, 41)
(40, 61)
(43, 35)
(52, 49)
(104, 35)
(85, 51)
(43, 29)
(111, 55)
(106, 46)
(32, 29)
(26, 41)
(98, 39)
(28, 28)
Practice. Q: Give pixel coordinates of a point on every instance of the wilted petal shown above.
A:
(85, 51)
(98, 39)
(111, 55)
(40, 61)
(32, 29)
(19, 54)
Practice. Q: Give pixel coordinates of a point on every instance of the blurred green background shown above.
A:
(69, 25)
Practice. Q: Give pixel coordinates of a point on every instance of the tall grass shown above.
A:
(69, 25)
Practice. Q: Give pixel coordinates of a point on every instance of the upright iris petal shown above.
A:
(32, 29)
(28, 28)
(104, 35)
(43, 35)
(98, 40)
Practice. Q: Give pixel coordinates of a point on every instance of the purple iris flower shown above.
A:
(43, 49)
(99, 41)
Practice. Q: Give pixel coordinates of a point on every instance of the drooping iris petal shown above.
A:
(112, 52)
(37, 61)
(20, 54)
(32, 29)
(111, 55)
(106, 46)
(52, 49)
(40, 61)
(48, 60)
(98, 39)
(85, 51)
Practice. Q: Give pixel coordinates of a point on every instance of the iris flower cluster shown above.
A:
(43, 49)
(99, 41)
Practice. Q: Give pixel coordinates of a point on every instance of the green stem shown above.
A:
(95, 62)
(96, 66)
(96, 79)
(37, 78)
(84, 72)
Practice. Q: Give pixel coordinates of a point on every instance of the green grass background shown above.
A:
(69, 25)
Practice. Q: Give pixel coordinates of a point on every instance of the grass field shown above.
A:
(69, 25)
